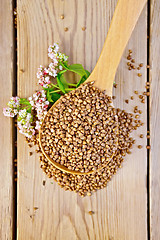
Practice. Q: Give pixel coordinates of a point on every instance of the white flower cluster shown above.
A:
(39, 102)
(13, 107)
(55, 66)
(24, 123)
(43, 78)
(52, 70)
(56, 56)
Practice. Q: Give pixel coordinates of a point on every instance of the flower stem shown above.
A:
(55, 91)
(69, 89)
(72, 84)
(54, 85)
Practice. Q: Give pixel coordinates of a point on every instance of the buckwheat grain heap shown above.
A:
(87, 112)
(81, 131)
(86, 184)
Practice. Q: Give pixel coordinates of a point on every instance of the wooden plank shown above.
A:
(121, 208)
(6, 91)
(154, 121)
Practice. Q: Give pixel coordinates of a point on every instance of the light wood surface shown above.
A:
(155, 121)
(121, 208)
(104, 72)
(122, 25)
(6, 91)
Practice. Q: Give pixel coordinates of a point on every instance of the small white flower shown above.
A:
(38, 125)
(55, 62)
(65, 58)
(22, 113)
(9, 112)
(40, 104)
(56, 47)
(56, 56)
(42, 76)
(32, 103)
(50, 49)
(15, 111)
(24, 123)
(60, 67)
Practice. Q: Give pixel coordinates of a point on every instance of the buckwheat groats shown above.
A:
(86, 184)
(85, 132)
(81, 131)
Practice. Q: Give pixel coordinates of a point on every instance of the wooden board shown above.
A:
(121, 208)
(6, 91)
(155, 121)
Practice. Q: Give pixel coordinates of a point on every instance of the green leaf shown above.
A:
(49, 98)
(52, 97)
(63, 80)
(87, 73)
(77, 68)
(55, 96)
(29, 109)
(83, 79)
(60, 84)
(24, 101)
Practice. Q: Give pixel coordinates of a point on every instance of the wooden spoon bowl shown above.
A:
(123, 22)
(42, 132)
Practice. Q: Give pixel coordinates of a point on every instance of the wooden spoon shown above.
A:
(123, 22)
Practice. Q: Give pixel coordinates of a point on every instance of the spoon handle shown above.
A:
(123, 22)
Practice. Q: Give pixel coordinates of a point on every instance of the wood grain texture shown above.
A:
(155, 121)
(6, 91)
(121, 208)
